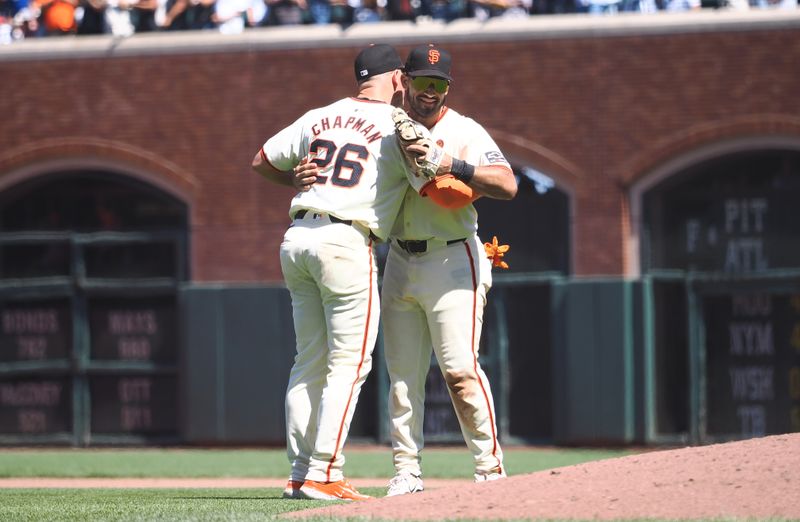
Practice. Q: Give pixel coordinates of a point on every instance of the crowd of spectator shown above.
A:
(21, 19)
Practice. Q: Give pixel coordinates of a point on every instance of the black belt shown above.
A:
(421, 246)
(300, 214)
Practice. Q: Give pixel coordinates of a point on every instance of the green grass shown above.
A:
(68, 505)
(79, 505)
(173, 505)
(437, 462)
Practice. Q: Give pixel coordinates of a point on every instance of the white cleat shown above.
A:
(404, 483)
(488, 476)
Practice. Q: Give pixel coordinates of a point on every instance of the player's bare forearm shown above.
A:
(494, 181)
(301, 177)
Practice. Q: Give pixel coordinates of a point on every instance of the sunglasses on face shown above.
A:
(421, 83)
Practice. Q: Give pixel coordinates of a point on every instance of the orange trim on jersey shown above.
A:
(475, 352)
(358, 370)
(441, 114)
(266, 159)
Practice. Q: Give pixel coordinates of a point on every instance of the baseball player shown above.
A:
(437, 276)
(351, 177)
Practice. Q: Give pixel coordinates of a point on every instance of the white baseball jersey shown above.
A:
(433, 299)
(351, 140)
(330, 270)
(465, 139)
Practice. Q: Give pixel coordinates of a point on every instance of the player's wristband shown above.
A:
(463, 171)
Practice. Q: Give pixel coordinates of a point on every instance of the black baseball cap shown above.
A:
(429, 60)
(376, 59)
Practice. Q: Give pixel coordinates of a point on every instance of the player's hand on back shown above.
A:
(304, 175)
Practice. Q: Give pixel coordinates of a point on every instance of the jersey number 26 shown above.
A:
(324, 152)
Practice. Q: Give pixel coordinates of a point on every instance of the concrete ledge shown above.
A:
(402, 33)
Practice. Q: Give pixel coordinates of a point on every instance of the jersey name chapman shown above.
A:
(354, 123)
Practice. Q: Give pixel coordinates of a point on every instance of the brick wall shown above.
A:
(597, 110)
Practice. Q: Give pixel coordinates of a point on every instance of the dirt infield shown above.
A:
(757, 478)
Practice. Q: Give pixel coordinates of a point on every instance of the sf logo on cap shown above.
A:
(433, 56)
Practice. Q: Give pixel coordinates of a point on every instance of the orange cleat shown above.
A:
(339, 490)
(292, 489)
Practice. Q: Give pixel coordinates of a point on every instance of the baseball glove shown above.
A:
(415, 141)
(448, 192)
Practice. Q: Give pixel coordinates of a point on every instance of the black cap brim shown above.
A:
(433, 73)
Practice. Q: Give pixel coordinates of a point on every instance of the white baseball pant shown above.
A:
(329, 269)
(435, 300)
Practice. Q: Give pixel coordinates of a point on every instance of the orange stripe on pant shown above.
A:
(475, 352)
(358, 370)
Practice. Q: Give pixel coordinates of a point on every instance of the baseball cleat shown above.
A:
(292, 489)
(404, 483)
(339, 490)
(488, 476)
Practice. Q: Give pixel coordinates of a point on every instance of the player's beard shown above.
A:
(425, 111)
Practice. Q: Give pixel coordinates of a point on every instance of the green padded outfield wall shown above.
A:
(594, 398)
(239, 347)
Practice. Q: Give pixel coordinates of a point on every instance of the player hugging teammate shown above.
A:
(359, 184)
